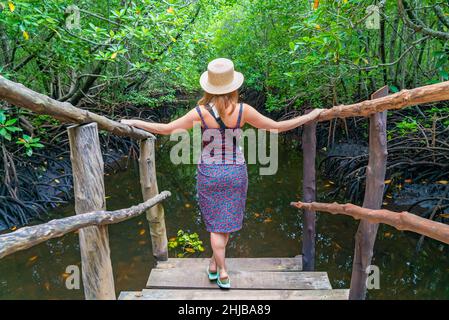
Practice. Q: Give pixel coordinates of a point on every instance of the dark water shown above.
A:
(272, 229)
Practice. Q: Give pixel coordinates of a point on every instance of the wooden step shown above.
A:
(187, 278)
(242, 264)
(205, 294)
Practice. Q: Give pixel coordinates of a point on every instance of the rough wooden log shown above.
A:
(309, 195)
(155, 215)
(374, 192)
(88, 183)
(405, 98)
(28, 237)
(400, 220)
(19, 95)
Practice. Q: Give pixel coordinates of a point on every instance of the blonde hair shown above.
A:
(225, 103)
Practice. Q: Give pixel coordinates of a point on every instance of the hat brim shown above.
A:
(234, 85)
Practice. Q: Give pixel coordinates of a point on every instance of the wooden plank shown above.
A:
(185, 278)
(204, 294)
(242, 264)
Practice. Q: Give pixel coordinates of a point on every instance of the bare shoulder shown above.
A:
(192, 113)
(246, 107)
(202, 108)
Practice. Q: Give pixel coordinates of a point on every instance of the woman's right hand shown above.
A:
(316, 112)
(129, 122)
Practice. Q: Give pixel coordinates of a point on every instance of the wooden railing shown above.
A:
(88, 181)
(87, 166)
(28, 237)
(404, 220)
(370, 215)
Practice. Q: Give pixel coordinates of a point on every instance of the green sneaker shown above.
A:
(212, 276)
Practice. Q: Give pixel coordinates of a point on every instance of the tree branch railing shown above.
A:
(374, 109)
(19, 95)
(405, 98)
(28, 237)
(400, 220)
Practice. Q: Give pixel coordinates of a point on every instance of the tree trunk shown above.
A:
(374, 190)
(309, 194)
(88, 182)
(88, 83)
(155, 215)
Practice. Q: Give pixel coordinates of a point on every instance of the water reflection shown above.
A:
(271, 229)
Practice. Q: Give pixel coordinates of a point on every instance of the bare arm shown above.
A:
(185, 122)
(258, 120)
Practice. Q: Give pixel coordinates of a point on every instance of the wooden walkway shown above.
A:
(251, 278)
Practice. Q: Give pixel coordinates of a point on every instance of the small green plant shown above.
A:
(185, 244)
(7, 126)
(29, 143)
(407, 126)
(437, 111)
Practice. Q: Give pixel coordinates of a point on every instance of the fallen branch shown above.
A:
(27, 237)
(19, 95)
(399, 220)
(405, 98)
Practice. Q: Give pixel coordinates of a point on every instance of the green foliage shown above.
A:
(149, 101)
(325, 56)
(186, 243)
(407, 126)
(133, 40)
(298, 55)
(149, 52)
(29, 143)
(7, 127)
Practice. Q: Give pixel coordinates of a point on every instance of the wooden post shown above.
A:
(309, 194)
(155, 215)
(374, 190)
(88, 182)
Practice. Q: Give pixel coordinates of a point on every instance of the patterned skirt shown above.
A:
(221, 192)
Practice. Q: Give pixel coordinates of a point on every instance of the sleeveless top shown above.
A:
(221, 145)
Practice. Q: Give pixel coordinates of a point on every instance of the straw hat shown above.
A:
(220, 77)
